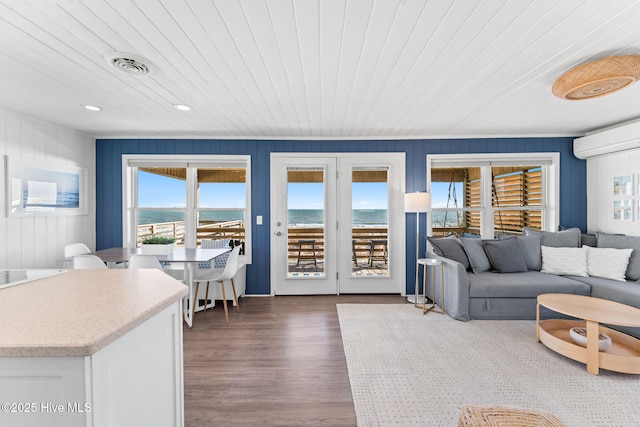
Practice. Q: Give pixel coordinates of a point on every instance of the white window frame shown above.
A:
(130, 164)
(549, 161)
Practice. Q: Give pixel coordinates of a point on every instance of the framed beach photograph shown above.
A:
(622, 210)
(37, 188)
(623, 185)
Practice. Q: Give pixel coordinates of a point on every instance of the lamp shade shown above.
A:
(417, 202)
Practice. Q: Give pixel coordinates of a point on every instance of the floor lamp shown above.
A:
(417, 202)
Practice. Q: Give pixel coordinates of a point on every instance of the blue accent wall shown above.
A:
(573, 191)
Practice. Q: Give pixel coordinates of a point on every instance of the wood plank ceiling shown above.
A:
(314, 69)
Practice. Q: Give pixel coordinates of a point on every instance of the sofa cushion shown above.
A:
(564, 261)
(505, 255)
(528, 284)
(450, 247)
(608, 263)
(530, 249)
(569, 238)
(623, 292)
(624, 242)
(478, 259)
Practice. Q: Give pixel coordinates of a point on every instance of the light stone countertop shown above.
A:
(78, 312)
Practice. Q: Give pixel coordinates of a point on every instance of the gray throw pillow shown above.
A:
(477, 256)
(588, 240)
(624, 242)
(569, 238)
(505, 255)
(530, 249)
(450, 247)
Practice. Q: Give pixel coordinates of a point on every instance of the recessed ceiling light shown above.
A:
(181, 107)
(92, 108)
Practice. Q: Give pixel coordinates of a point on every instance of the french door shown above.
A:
(337, 223)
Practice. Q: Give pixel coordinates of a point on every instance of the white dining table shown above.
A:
(189, 257)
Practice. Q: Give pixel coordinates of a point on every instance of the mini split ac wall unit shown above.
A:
(625, 137)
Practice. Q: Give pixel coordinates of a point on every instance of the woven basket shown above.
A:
(598, 78)
(500, 416)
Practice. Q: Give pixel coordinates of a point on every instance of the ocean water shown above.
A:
(370, 217)
(314, 217)
(297, 217)
(154, 217)
(446, 219)
(301, 217)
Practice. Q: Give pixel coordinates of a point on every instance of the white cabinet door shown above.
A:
(137, 380)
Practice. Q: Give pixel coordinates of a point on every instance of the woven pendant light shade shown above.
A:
(598, 78)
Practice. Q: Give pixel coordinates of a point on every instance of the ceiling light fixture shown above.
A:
(181, 107)
(92, 108)
(598, 78)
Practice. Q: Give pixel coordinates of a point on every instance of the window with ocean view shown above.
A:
(162, 196)
(305, 221)
(370, 221)
(221, 204)
(189, 199)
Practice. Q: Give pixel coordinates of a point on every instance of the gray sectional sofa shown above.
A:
(486, 279)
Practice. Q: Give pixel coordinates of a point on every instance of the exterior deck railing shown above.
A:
(360, 246)
(206, 230)
(361, 236)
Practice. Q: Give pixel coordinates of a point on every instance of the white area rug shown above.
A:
(406, 368)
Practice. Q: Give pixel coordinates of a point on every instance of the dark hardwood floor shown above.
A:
(278, 362)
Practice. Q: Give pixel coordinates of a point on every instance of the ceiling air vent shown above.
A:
(129, 63)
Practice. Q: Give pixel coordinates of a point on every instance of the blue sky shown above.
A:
(366, 195)
(160, 191)
(440, 191)
(163, 192)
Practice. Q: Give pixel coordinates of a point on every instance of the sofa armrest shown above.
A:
(456, 287)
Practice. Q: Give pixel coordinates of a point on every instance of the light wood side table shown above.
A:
(433, 263)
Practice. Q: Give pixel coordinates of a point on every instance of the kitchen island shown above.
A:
(92, 348)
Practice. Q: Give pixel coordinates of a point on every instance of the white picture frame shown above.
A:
(623, 185)
(36, 188)
(623, 210)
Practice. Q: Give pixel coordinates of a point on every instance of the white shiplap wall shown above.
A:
(600, 173)
(37, 242)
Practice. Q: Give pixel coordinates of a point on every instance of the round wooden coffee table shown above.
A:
(624, 353)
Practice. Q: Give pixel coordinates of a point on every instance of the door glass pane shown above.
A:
(162, 195)
(220, 206)
(369, 222)
(456, 200)
(306, 227)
